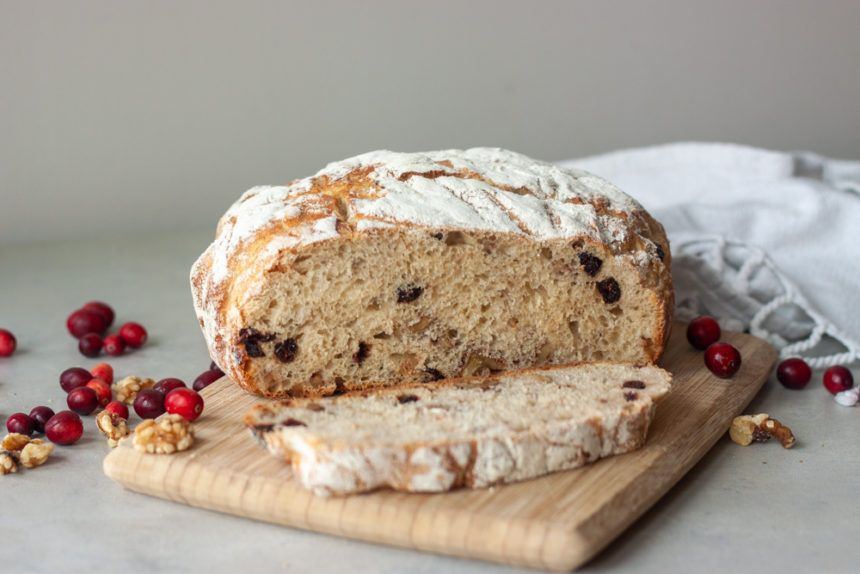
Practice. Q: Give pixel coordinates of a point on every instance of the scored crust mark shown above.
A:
(361, 354)
(251, 338)
(408, 293)
(590, 263)
(609, 290)
(633, 385)
(426, 174)
(286, 350)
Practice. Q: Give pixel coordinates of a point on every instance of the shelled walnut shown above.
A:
(36, 452)
(126, 389)
(113, 426)
(168, 434)
(747, 429)
(8, 462)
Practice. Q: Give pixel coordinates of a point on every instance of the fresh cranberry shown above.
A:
(40, 416)
(65, 427)
(793, 373)
(133, 334)
(206, 378)
(149, 404)
(103, 371)
(702, 331)
(118, 408)
(102, 390)
(7, 343)
(21, 423)
(74, 377)
(85, 321)
(164, 386)
(90, 345)
(83, 400)
(185, 402)
(838, 379)
(722, 359)
(114, 345)
(104, 309)
(214, 367)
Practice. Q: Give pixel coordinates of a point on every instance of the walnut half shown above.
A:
(747, 429)
(168, 434)
(113, 426)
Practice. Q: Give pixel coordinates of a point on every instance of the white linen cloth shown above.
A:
(764, 241)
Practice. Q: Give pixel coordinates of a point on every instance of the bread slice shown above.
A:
(473, 433)
(389, 268)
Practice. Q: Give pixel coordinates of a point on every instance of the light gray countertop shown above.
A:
(739, 509)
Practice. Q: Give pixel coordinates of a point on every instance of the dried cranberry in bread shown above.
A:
(396, 268)
(472, 432)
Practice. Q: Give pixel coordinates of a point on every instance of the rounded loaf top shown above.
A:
(487, 189)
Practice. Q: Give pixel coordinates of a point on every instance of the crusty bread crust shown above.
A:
(440, 212)
(472, 433)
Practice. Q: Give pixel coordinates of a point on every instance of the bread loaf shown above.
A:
(397, 268)
(473, 432)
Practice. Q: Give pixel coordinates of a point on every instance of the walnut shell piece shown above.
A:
(747, 429)
(168, 434)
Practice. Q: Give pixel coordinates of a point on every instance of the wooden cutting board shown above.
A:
(555, 522)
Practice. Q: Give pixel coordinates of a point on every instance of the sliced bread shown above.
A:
(474, 432)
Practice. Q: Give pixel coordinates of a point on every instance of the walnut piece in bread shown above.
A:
(391, 268)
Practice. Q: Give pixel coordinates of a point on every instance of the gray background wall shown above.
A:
(146, 116)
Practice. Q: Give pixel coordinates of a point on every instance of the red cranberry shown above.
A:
(133, 334)
(83, 400)
(7, 343)
(214, 367)
(103, 371)
(102, 390)
(722, 359)
(114, 345)
(793, 373)
(838, 379)
(74, 377)
(164, 386)
(102, 308)
(206, 378)
(185, 402)
(40, 416)
(702, 331)
(118, 408)
(21, 423)
(85, 321)
(65, 427)
(149, 404)
(90, 345)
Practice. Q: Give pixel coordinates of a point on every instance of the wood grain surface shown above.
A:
(556, 522)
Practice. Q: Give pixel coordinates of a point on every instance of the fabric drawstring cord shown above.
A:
(744, 290)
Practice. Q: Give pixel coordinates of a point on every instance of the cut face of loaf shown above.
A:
(469, 433)
(401, 268)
